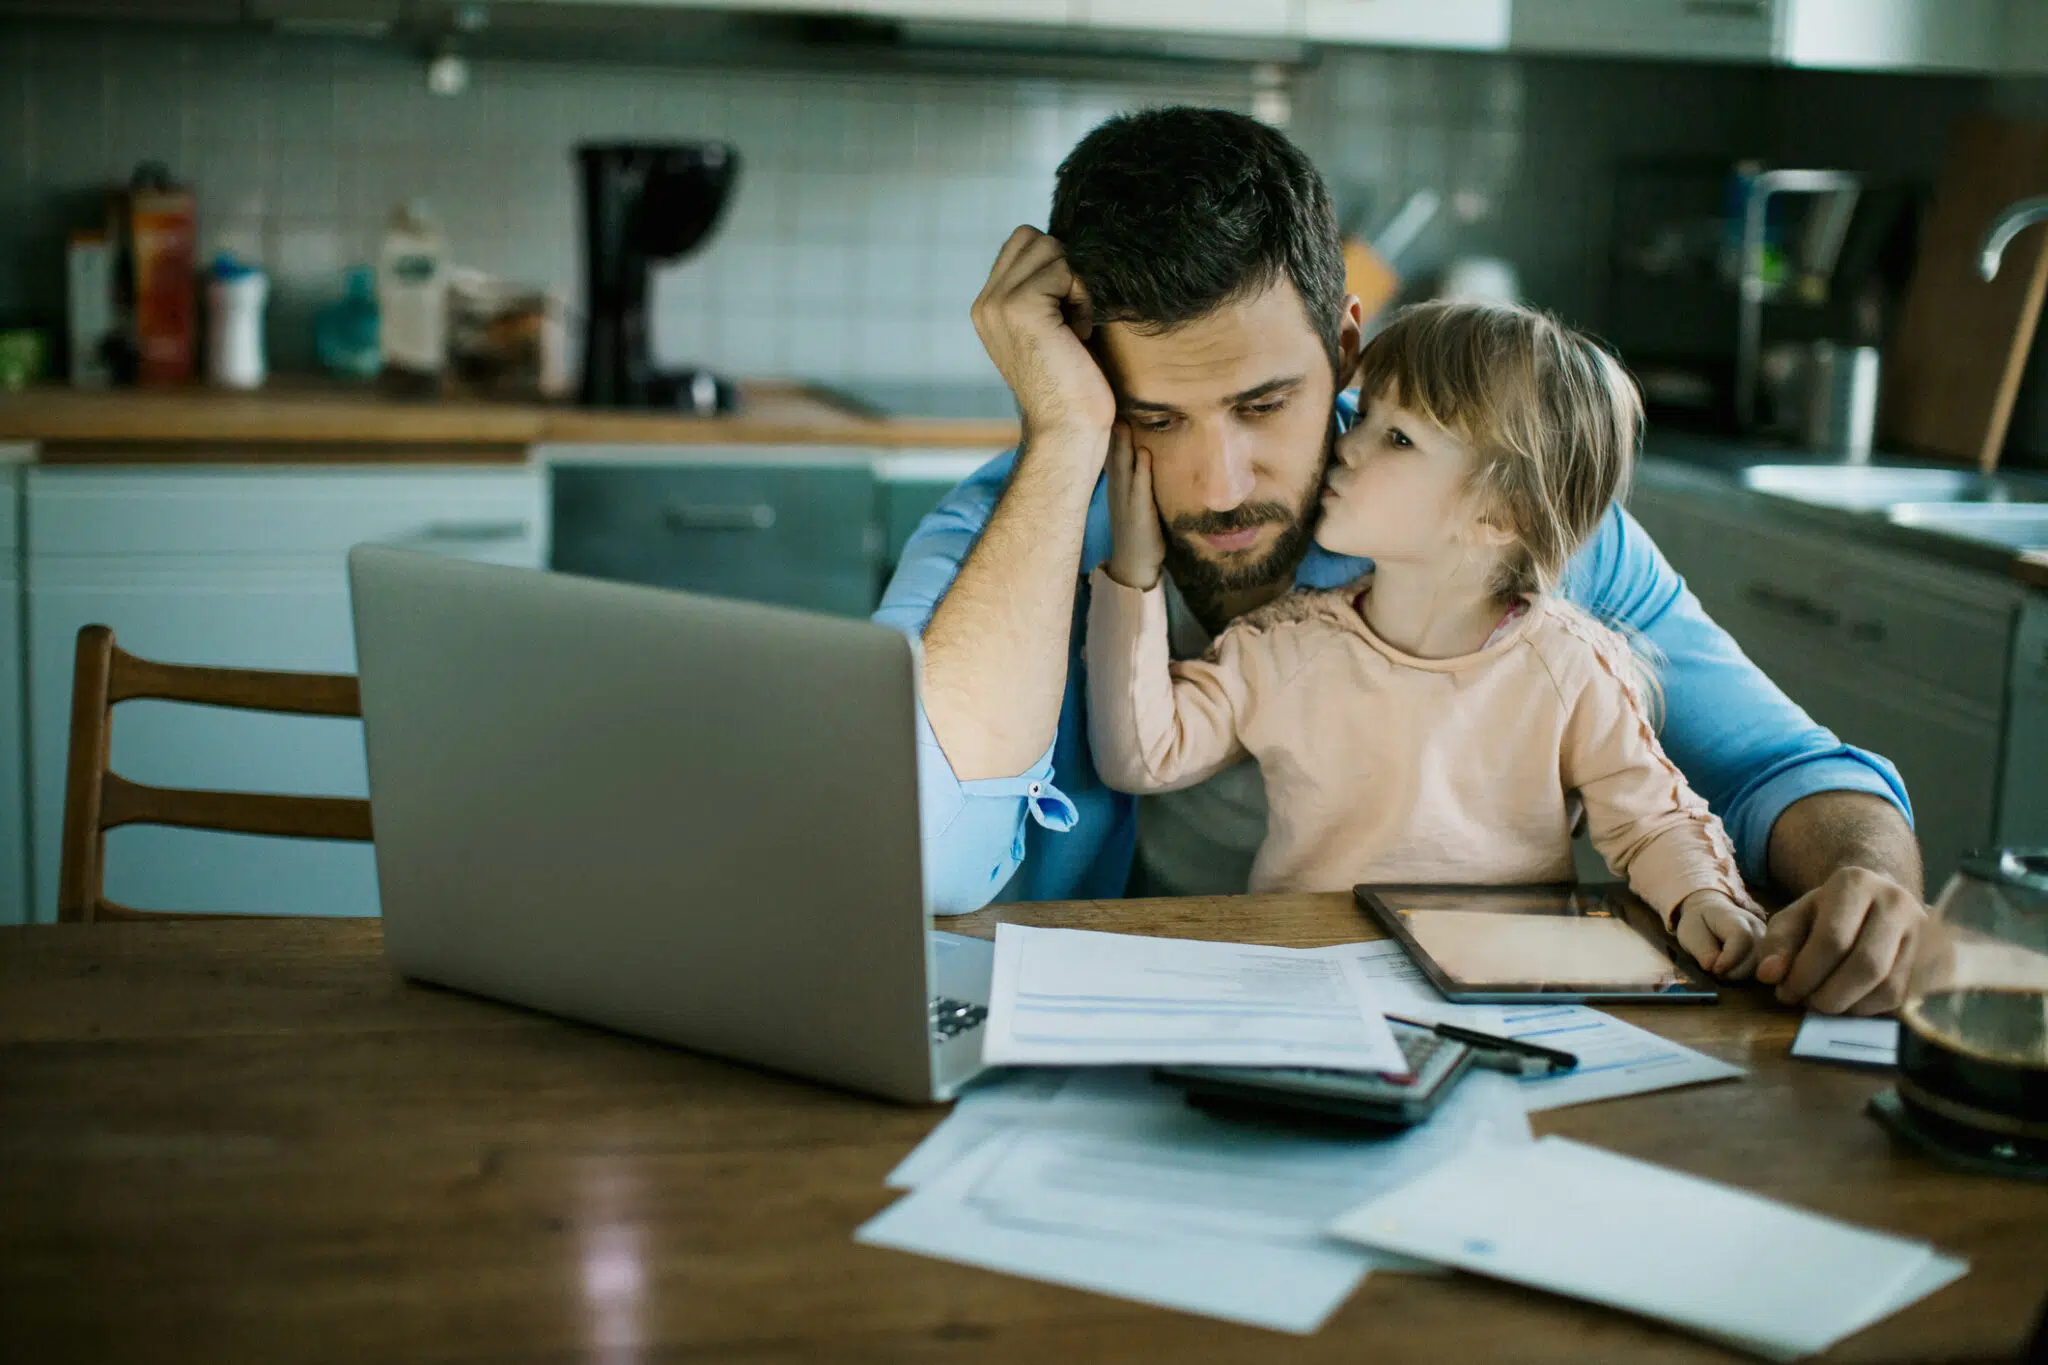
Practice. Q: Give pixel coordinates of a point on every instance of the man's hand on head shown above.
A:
(1845, 946)
(1034, 319)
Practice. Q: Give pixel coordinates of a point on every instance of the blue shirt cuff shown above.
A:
(1757, 812)
(974, 831)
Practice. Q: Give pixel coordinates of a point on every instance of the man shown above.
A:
(1192, 288)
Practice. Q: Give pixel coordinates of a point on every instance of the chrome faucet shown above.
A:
(2010, 222)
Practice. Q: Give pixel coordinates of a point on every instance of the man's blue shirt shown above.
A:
(1055, 832)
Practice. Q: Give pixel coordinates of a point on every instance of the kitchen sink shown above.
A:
(2013, 525)
(1873, 488)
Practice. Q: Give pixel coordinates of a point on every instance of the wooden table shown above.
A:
(251, 1142)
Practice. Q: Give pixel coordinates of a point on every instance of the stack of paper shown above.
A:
(1575, 1220)
(1114, 1183)
(1615, 1058)
(1098, 1177)
(1071, 997)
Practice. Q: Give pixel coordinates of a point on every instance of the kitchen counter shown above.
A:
(306, 421)
(1710, 464)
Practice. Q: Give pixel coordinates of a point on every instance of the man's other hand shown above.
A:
(1845, 947)
(1033, 318)
(1139, 545)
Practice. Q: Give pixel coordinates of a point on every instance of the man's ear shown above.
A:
(1350, 340)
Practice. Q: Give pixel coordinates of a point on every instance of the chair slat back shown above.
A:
(97, 799)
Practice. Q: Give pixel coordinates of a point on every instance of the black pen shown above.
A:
(1514, 1055)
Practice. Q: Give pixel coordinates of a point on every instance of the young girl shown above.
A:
(1428, 722)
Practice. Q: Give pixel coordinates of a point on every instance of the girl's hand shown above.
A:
(1139, 545)
(1722, 936)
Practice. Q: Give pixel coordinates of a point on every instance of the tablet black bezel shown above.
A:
(1699, 989)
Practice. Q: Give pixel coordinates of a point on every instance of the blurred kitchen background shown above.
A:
(882, 164)
(1864, 522)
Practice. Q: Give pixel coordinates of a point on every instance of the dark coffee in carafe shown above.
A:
(1978, 1057)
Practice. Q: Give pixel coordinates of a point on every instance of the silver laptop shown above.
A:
(682, 817)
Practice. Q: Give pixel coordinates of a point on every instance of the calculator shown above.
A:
(1383, 1099)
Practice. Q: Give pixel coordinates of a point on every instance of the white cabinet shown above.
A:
(13, 771)
(1264, 18)
(1052, 12)
(1894, 35)
(1901, 655)
(1477, 25)
(1692, 30)
(239, 567)
(1876, 35)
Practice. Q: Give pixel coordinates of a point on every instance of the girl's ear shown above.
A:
(1486, 527)
(1490, 534)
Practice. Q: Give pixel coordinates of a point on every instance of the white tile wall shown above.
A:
(869, 206)
(867, 213)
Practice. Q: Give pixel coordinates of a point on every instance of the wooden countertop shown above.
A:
(307, 421)
(2032, 568)
(252, 1141)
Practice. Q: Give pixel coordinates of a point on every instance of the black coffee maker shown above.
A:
(645, 204)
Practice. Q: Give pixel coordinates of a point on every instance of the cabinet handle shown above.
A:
(1800, 608)
(1729, 9)
(691, 516)
(476, 532)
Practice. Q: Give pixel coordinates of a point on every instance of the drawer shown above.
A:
(493, 514)
(1848, 605)
(799, 537)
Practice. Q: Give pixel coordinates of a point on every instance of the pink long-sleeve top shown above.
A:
(1384, 767)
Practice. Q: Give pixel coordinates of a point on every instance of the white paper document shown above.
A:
(1615, 1058)
(1118, 1186)
(994, 1103)
(1862, 1042)
(1575, 1220)
(1071, 997)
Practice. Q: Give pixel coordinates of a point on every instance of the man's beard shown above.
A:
(1202, 580)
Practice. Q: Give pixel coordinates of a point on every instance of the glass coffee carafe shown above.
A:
(1973, 1036)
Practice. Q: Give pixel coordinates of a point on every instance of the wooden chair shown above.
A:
(97, 800)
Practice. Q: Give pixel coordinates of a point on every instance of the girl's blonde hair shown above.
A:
(1552, 419)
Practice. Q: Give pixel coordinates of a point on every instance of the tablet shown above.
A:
(1489, 945)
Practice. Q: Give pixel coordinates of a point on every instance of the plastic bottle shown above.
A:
(345, 331)
(412, 289)
(235, 295)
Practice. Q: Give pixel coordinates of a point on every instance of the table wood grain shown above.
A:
(253, 1142)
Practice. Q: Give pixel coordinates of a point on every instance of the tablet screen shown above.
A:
(1536, 940)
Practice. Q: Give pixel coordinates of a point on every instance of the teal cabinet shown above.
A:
(794, 536)
(816, 530)
(906, 502)
(238, 567)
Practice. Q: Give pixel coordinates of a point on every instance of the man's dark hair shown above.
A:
(1169, 214)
